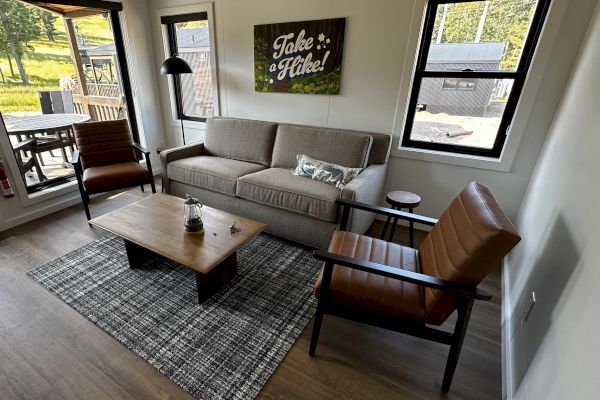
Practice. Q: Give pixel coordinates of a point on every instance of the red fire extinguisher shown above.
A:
(4, 182)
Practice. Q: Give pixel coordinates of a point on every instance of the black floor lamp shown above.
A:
(175, 65)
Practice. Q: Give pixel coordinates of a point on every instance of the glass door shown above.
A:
(62, 64)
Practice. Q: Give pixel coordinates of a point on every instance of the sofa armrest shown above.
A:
(367, 187)
(170, 155)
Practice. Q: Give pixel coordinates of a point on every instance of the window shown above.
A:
(189, 37)
(472, 63)
(459, 84)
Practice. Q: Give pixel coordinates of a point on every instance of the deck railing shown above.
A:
(99, 108)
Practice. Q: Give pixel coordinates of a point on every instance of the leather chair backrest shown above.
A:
(104, 143)
(471, 237)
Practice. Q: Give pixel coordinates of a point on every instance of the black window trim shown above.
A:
(169, 21)
(519, 75)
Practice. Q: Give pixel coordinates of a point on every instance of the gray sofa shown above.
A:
(245, 167)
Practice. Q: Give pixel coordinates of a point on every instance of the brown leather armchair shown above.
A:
(107, 159)
(407, 290)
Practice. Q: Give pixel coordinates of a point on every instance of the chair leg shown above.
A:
(86, 200)
(387, 222)
(394, 223)
(321, 306)
(460, 329)
(142, 187)
(316, 329)
(152, 185)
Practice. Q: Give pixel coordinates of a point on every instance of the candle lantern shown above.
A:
(192, 213)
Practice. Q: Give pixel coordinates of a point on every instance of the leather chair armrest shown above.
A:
(347, 205)
(403, 275)
(141, 148)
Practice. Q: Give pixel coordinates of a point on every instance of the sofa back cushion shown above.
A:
(338, 146)
(240, 139)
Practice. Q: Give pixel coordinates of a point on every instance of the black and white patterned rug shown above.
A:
(226, 348)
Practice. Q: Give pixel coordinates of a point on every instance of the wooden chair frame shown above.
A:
(85, 198)
(466, 295)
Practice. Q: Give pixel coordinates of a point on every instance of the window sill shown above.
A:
(464, 160)
(187, 124)
(50, 193)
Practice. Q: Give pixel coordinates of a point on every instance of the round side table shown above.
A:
(399, 200)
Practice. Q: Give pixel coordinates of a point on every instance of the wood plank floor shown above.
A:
(49, 351)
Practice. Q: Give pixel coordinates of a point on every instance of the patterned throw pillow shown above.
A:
(324, 171)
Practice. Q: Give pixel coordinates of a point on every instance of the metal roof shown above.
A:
(186, 39)
(466, 52)
(106, 49)
(193, 37)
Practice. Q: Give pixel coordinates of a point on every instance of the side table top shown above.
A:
(403, 199)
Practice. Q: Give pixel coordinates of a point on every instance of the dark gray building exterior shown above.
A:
(468, 97)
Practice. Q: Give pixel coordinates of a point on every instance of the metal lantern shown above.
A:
(192, 213)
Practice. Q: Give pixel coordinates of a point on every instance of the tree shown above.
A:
(47, 20)
(503, 21)
(19, 24)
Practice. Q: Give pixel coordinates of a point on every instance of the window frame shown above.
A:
(518, 76)
(185, 14)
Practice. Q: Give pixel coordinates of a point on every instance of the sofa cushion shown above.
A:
(240, 139)
(338, 146)
(279, 188)
(212, 173)
(369, 292)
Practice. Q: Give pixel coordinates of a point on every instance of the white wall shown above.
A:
(555, 351)
(379, 48)
(143, 69)
(371, 77)
(380, 43)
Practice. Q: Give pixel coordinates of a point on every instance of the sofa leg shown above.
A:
(460, 329)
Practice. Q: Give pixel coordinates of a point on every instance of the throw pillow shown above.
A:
(324, 171)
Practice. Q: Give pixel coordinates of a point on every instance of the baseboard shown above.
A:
(72, 199)
(507, 381)
(51, 208)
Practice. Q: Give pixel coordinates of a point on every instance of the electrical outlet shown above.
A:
(530, 305)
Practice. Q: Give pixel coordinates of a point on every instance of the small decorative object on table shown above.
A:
(192, 212)
(233, 229)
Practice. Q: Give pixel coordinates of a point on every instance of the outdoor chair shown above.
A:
(25, 165)
(108, 159)
(407, 290)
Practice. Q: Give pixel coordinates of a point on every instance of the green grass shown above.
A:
(49, 62)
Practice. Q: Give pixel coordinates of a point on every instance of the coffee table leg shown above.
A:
(136, 255)
(219, 276)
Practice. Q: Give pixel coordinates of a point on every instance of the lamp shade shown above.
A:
(175, 65)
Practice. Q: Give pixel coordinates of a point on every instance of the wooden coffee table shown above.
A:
(154, 225)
